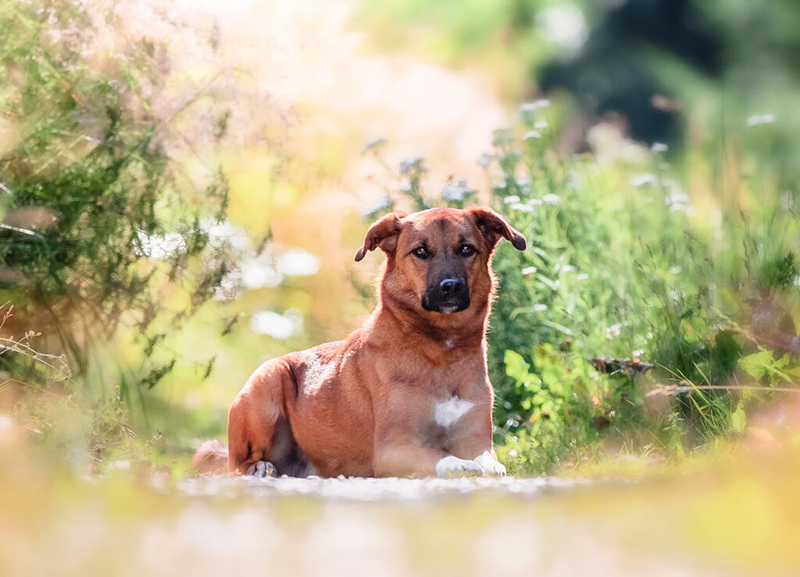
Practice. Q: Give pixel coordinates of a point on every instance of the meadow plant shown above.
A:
(621, 267)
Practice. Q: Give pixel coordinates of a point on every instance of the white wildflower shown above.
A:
(644, 180)
(563, 25)
(521, 207)
(276, 325)
(457, 192)
(534, 106)
(528, 270)
(260, 272)
(381, 205)
(759, 119)
(613, 331)
(484, 159)
(297, 262)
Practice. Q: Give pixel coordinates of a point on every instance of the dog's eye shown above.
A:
(467, 250)
(421, 252)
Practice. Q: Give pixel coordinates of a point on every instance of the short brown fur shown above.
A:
(365, 406)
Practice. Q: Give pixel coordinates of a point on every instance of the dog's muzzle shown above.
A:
(449, 295)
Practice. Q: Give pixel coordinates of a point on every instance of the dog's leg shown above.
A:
(252, 422)
(477, 447)
(407, 460)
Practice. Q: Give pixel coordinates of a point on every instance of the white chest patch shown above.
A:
(448, 412)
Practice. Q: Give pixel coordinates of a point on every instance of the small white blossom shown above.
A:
(540, 308)
(644, 180)
(457, 192)
(759, 119)
(531, 135)
(511, 198)
(522, 207)
(678, 201)
(534, 106)
(381, 205)
(528, 270)
(551, 199)
(613, 331)
(276, 325)
(485, 159)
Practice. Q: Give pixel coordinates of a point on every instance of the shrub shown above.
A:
(620, 266)
(97, 232)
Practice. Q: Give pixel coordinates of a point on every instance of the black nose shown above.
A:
(451, 286)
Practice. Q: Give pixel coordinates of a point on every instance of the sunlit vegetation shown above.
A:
(182, 191)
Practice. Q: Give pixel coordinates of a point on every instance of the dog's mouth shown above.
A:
(446, 307)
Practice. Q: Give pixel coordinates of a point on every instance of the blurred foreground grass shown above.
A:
(734, 518)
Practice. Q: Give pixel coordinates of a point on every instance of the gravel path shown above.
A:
(377, 490)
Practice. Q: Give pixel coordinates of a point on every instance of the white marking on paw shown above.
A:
(489, 465)
(448, 412)
(451, 466)
(262, 469)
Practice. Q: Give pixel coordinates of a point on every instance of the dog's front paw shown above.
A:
(262, 469)
(451, 466)
(489, 465)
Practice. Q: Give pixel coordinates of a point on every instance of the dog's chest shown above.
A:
(445, 420)
(448, 413)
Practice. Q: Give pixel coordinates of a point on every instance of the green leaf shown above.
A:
(738, 418)
(516, 367)
(756, 364)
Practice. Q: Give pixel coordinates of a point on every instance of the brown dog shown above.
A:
(405, 394)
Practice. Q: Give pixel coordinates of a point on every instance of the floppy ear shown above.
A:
(493, 227)
(382, 234)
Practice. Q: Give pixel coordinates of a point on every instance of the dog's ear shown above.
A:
(382, 234)
(493, 227)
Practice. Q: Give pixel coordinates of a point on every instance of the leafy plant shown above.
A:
(618, 266)
(97, 232)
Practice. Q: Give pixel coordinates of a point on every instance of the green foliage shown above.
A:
(97, 232)
(764, 367)
(557, 399)
(619, 266)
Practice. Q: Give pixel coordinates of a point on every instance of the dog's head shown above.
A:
(439, 260)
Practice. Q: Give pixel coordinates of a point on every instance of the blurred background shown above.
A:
(183, 186)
